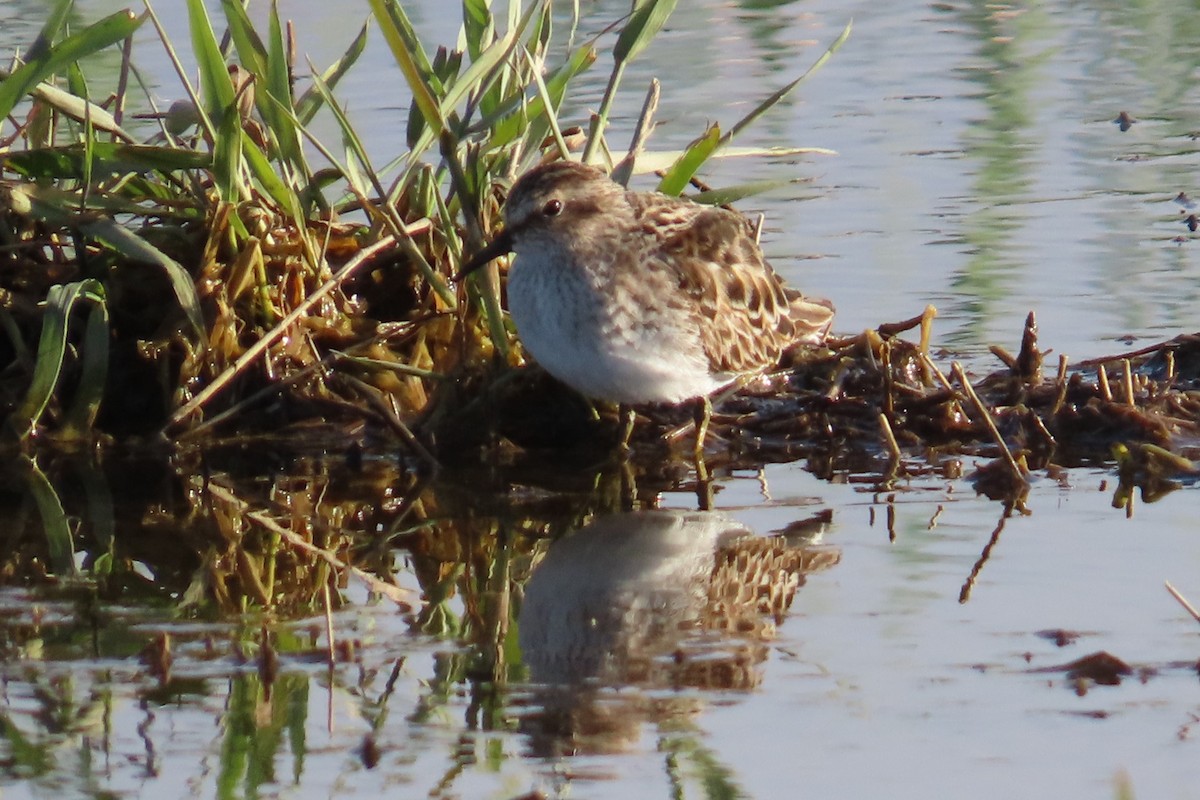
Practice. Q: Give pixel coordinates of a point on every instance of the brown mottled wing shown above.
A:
(745, 315)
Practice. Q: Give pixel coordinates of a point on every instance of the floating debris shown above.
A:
(1059, 636)
(1100, 667)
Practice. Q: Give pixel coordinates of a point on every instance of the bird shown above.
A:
(638, 297)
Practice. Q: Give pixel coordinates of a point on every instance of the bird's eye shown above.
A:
(552, 208)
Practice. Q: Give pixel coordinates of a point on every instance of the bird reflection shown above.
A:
(653, 600)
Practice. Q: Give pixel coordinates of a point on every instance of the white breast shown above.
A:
(610, 345)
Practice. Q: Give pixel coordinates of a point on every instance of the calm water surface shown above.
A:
(978, 169)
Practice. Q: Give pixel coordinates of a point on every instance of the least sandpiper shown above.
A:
(637, 297)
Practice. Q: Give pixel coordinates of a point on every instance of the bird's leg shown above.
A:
(701, 413)
(704, 494)
(627, 417)
(629, 496)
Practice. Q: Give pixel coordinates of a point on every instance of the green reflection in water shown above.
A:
(1001, 150)
(1141, 59)
(772, 48)
(254, 728)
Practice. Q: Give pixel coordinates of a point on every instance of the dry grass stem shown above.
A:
(1060, 383)
(889, 438)
(1102, 378)
(986, 416)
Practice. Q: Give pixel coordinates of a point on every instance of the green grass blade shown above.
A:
(216, 87)
(50, 30)
(272, 184)
(227, 156)
(91, 39)
(645, 23)
(446, 64)
(130, 245)
(76, 83)
(54, 163)
(681, 172)
(600, 119)
(52, 348)
(279, 88)
(478, 25)
(89, 155)
(775, 97)
(81, 416)
(507, 126)
(101, 511)
(537, 123)
(311, 101)
(574, 23)
(270, 68)
(251, 51)
(350, 136)
(55, 524)
(493, 56)
(731, 194)
(543, 30)
(410, 56)
(220, 104)
(15, 340)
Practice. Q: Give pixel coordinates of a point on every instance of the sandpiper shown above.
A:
(637, 297)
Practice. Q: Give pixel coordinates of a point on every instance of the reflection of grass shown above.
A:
(23, 759)
(254, 730)
(688, 760)
(1003, 157)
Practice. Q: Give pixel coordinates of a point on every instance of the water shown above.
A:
(979, 169)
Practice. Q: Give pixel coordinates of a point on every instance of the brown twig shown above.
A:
(1007, 358)
(1060, 396)
(889, 382)
(957, 370)
(327, 602)
(389, 416)
(624, 170)
(1182, 601)
(889, 329)
(941, 376)
(934, 519)
(964, 594)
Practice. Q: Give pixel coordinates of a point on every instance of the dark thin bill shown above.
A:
(501, 245)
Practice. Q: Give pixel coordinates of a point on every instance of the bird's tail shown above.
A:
(811, 317)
